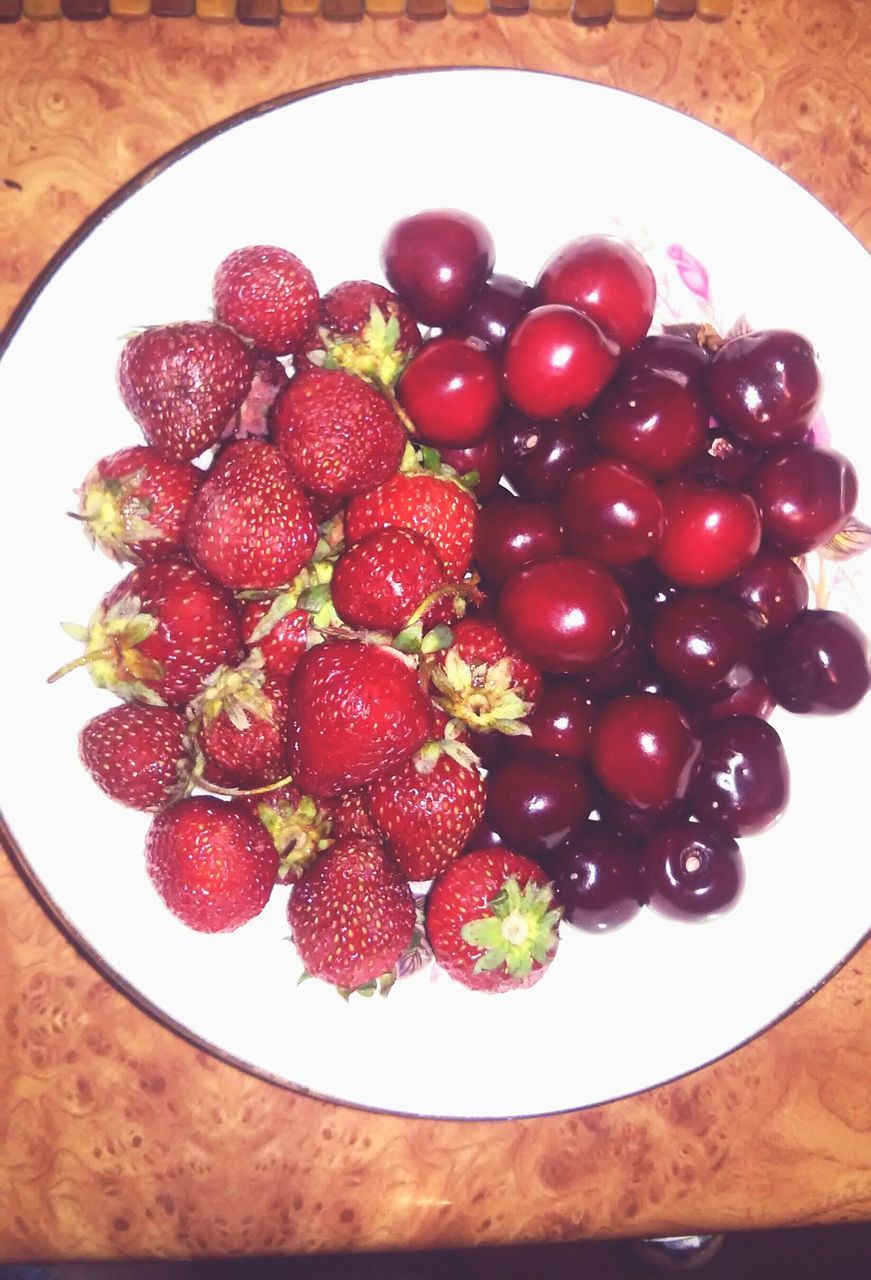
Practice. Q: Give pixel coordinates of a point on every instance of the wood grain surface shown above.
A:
(119, 1139)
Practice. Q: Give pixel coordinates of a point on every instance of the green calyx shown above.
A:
(372, 355)
(114, 515)
(112, 654)
(236, 692)
(299, 832)
(482, 696)
(519, 932)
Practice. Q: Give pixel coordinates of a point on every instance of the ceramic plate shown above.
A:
(540, 159)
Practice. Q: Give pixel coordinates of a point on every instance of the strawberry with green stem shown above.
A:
(367, 330)
(239, 720)
(481, 680)
(300, 827)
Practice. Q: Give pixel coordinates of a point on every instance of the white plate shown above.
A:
(540, 159)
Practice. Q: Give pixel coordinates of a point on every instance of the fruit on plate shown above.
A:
(557, 361)
(437, 260)
(380, 581)
(596, 878)
(268, 296)
(690, 871)
(450, 390)
(299, 826)
(141, 756)
(240, 721)
(606, 279)
(482, 681)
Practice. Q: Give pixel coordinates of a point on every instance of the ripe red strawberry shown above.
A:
(133, 504)
(268, 296)
(240, 721)
(338, 435)
(300, 827)
(367, 330)
(140, 756)
(212, 863)
(427, 810)
(491, 922)
(282, 641)
(346, 310)
(352, 915)
(182, 383)
(270, 377)
(381, 580)
(483, 681)
(433, 506)
(249, 526)
(356, 712)
(350, 816)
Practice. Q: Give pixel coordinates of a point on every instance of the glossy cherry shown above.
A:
(556, 361)
(611, 512)
(772, 586)
(741, 779)
(707, 646)
(644, 750)
(484, 457)
(437, 261)
(606, 279)
(656, 421)
(820, 663)
(561, 723)
(595, 879)
(535, 804)
(538, 455)
(666, 353)
(765, 386)
(451, 391)
(690, 871)
(511, 533)
(564, 614)
(495, 309)
(804, 494)
(710, 535)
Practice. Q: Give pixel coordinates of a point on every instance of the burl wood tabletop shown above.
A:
(117, 1138)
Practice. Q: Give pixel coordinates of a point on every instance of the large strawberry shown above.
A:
(212, 863)
(133, 504)
(356, 712)
(140, 756)
(182, 383)
(491, 922)
(338, 435)
(380, 582)
(269, 296)
(240, 722)
(368, 330)
(249, 525)
(158, 633)
(352, 916)
(481, 680)
(300, 827)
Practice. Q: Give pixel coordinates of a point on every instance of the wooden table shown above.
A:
(119, 1139)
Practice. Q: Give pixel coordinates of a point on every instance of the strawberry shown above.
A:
(212, 863)
(249, 526)
(434, 506)
(299, 826)
(379, 582)
(282, 641)
(356, 712)
(367, 330)
(428, 808)
(158, 633)
(182, 383)
(240, 721)
(133, 504)
(270, 377)
(338, 435)
(350, 817)
(352, 916)
(140, 756)
(268, 296)
(481, 680)
(490, 920)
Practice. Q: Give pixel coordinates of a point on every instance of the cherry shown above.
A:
(752, 699)
(820, 663)
(535, 804)
(606, 279)
(512, 533)
(765, 386)
(611, 512)
(539, 455)
(666, 353)
(707, 646)
(729, 460)
(437, 261)
(561, 723)
(741, 780)
(564, 614)
(656, 421)
(496, 307)
(595, 879)
(634, 824)
(690, 871)
(556, 362)
(485, 457)
(644, 750)
(772, 586)
(621, 670)
(450, 389)
(804, 494)
(483, 837)
(710, 535)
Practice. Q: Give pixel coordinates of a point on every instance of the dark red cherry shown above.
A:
(706, 646)
(772, 586)
(561, 723)
(611, 512)
(710, 534)
(450, 389)
(644, 750)
(606, 279)
(634, 824)
(535, 804)
(752, 699)
(437, 261)
(666, 353)
(564, 614)
(495, 309)
(511, 533)
(539, 455)
(820, 663)
(656, 421)
(595, 879)
(690, 871)
(765, 386)
(621, 670)
(556, 361)
(741, 779)
(485, 458)
(804, 494)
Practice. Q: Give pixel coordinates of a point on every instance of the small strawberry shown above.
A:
(367, 330)
(138, 755)
(240, 722)
(249, 526)
(427, 810)
(300, 827)
(380, 582)
(481, 680)
(133, 504)
(352, 916)
(270, 377)
(268, 296)
(158, 633)
(433, 505)
(182, 383)
(338, 435)
(280, 635)
(491, 922)
(212, 863)
(356, 712)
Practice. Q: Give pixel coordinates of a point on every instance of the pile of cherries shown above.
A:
(663, 486)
